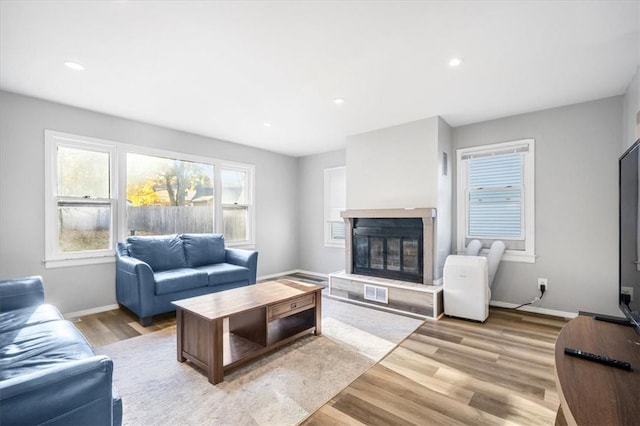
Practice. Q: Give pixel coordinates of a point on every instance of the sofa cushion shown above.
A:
(222, 273)
(40, 346)
(160, 252)
(179, 279)
(26, 317)
(203, 249)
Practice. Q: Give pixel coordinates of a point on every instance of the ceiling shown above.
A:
(223, 69)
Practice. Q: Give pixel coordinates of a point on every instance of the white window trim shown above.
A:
(125, 149)
(54, 258)
(327, 219)
(251, 219)
(527, 255)
(118, 175)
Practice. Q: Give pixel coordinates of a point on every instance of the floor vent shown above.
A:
(377, 294)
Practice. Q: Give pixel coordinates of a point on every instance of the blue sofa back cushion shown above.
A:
(160, 252)
(203, 249)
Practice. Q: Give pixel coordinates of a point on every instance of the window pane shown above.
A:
(234, 187)
(83, 227)
(337, 230)
(235, 223)
(495, 214)
(83, 173)
(499, 171)
(495, 197)
(168, 196)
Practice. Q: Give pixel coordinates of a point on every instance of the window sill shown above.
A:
(243, 246)
(83, 261)
(334, 245)
(509, 256)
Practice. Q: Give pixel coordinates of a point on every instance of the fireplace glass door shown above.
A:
(388, 248)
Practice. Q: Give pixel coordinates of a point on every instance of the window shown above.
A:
(495, 197)
(235, 203)
(163, 193)
(80, 212)
(335, 201)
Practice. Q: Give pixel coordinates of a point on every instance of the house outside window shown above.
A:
(335, 201)
(162, 193)
(495, 197)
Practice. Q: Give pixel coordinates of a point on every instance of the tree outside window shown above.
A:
(168, 196)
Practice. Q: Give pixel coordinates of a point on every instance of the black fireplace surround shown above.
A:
(388, 248)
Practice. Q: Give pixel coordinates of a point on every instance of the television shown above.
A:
(629, 209)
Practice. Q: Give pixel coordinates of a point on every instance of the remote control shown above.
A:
(598, 358)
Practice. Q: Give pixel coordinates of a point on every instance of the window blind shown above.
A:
(495, 184)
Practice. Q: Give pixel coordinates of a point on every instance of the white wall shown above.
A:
(577, 150)
(72, 289)
(313, 255)
(393, 167)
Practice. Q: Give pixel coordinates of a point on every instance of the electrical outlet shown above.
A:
(627, 290)
(543, 282)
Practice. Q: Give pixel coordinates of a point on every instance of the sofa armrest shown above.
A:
(74, 392)
(134, 285)
(21, 293)
(246, 258)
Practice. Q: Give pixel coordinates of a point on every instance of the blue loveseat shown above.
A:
(48, 372)
(151, 272)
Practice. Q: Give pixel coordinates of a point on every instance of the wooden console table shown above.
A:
(220, 331)
(593, 393)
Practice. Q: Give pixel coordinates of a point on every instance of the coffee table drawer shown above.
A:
(290, 307)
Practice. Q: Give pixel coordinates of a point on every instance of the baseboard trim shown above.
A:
(534, 309)
(293, 271)
(313, 274)
(279, 274)
(91, 311)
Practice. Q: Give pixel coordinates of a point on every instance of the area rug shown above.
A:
(281, 388)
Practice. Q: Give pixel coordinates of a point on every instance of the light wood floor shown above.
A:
(454, 371)
(449, 371)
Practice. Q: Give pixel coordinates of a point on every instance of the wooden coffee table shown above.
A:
(220, 331)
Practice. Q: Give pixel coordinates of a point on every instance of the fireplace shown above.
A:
(395, 244)
(388, 248)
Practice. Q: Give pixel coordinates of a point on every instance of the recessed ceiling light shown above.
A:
(455, 62)
(74, 65)
(338, 101)
(267, 124)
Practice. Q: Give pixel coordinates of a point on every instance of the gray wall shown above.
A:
(393, 167)
(577, 148)
(313, 255)
(631, 105)
(444, 205)
(72, 289)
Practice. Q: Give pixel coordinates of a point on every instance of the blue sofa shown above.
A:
(151, 272)
(48, 372)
